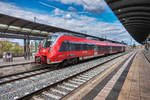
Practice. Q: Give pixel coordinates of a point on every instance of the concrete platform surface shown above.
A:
(16, 60)
(147, 54)
(136, 84)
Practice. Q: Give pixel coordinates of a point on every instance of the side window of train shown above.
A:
(90, 46)
(104, 48)
(84, 47)
(73, 46)
(96, 48)
(100, 48)
(63, 46)
(81, 46)
(110, 48)
(77, 46)
(87, 47)
(114, 48)
(68, 46)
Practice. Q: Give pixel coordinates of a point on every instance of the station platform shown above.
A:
(16, 61)
(128, 79)
(136, 85)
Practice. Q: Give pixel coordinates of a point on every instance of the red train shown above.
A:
(62, 47)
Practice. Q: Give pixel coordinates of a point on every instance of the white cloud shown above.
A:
(93, 6)
(67, 16)
(84, 24)
(78, 2)
(72, 9)
(58, 11)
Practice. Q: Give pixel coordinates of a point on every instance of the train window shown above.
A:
(83, 47)
(47, 43)
(77, 47)
(80, 46)
(91, 47)
(87, 46)
(64, 46)
(104, 48)
(113, 48)
(73, 46)
(53, 37)
(116, 48)
(68, 46)
(99, 48)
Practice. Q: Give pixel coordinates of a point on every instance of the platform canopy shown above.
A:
(134, 15)
(10, 24)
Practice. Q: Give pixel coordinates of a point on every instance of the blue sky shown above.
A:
(86, 16)
(47, 7)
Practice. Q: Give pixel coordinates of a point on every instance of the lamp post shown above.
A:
(34, 19)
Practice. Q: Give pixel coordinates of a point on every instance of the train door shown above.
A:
(110, 49)
(68, 48)
(96, 50)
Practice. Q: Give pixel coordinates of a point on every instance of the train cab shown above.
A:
(45, 48)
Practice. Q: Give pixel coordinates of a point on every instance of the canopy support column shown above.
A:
(27, 48)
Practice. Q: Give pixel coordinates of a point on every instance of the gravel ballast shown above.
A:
(17, 89)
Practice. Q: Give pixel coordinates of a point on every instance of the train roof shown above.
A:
(89, 37)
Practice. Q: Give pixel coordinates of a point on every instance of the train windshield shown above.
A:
(48, 42)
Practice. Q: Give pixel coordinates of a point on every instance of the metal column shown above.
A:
(27, 48)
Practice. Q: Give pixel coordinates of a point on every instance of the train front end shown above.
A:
(45, 50)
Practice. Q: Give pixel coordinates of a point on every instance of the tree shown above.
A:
(16, 49)
(5, 46)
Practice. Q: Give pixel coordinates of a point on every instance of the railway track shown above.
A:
(12, 65)
(26, 74)
(65, 87)
(24, 88)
